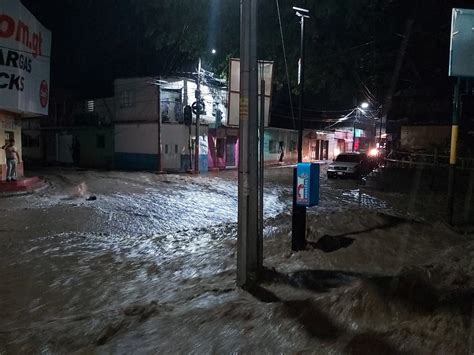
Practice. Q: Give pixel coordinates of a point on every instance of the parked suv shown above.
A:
(349, 164)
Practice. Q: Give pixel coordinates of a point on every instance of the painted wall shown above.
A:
(223, 148)
(272, 139)
(175, 147)
(136, 146)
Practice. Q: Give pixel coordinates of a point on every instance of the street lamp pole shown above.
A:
(354, 129)
(298, 237)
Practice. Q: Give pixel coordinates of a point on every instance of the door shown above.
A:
(324, 146)
(314, 149)
(230, 152)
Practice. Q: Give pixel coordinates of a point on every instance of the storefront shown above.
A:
(223, 148)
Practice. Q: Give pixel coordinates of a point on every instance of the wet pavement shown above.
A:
(151, 261)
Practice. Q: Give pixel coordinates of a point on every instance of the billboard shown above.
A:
(265, 71)
(461, 59)
(25, 50)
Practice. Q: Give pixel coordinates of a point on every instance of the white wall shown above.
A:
(142, 138)
(174, 136)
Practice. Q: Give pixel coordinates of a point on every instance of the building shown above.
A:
(24, 77)
(77, 132)
(139, 123)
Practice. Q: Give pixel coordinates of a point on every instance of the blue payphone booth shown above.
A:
(307, 184)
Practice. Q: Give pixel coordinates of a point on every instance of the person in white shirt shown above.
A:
(13, 158)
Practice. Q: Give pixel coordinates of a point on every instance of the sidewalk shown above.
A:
(21, 186)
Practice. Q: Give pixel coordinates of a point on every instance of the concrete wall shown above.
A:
(136, 146)
(424, 137)
(272, 139)
(175, 147)
(136, 99)
(31, 141)
(97, 147)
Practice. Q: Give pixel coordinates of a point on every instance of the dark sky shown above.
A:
(96, 41)
(93, 43)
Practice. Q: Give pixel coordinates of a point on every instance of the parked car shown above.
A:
(350, 165)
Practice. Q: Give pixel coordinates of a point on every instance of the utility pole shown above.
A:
(454, 147)
(249, 258)
(298, 236)
(354, 130)
(198, 119)
(261, 172)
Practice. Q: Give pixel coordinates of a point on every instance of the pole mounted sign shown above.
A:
(307, 186)
(461, 61)
(25, 50)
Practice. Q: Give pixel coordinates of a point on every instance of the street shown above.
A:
(149, 265)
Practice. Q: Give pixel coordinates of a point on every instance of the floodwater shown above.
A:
(149, 266)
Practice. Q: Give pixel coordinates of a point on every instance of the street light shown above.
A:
(364, 106)
(213, 51)
(298, 230)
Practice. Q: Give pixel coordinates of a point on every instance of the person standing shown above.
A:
(282, 151)
(13, 158)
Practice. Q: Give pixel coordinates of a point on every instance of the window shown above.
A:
(175, 149)
(100, 141)
(126, 98)
(90, 106)
(166, 148)
(273, 147)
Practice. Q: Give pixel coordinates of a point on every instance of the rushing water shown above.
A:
(145, 239)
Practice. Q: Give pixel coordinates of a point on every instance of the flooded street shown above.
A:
(114, 262)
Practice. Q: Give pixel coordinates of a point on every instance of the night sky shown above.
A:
(95, 42)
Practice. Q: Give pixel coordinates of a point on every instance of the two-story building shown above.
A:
(149, 110)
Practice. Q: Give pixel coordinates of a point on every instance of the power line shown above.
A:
(286, 63)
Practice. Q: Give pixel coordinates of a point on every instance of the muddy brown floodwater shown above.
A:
(149, 267)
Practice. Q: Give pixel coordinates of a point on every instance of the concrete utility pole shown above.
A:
(198, 119)
(454, 148)
(249, 256)
(298, 237)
